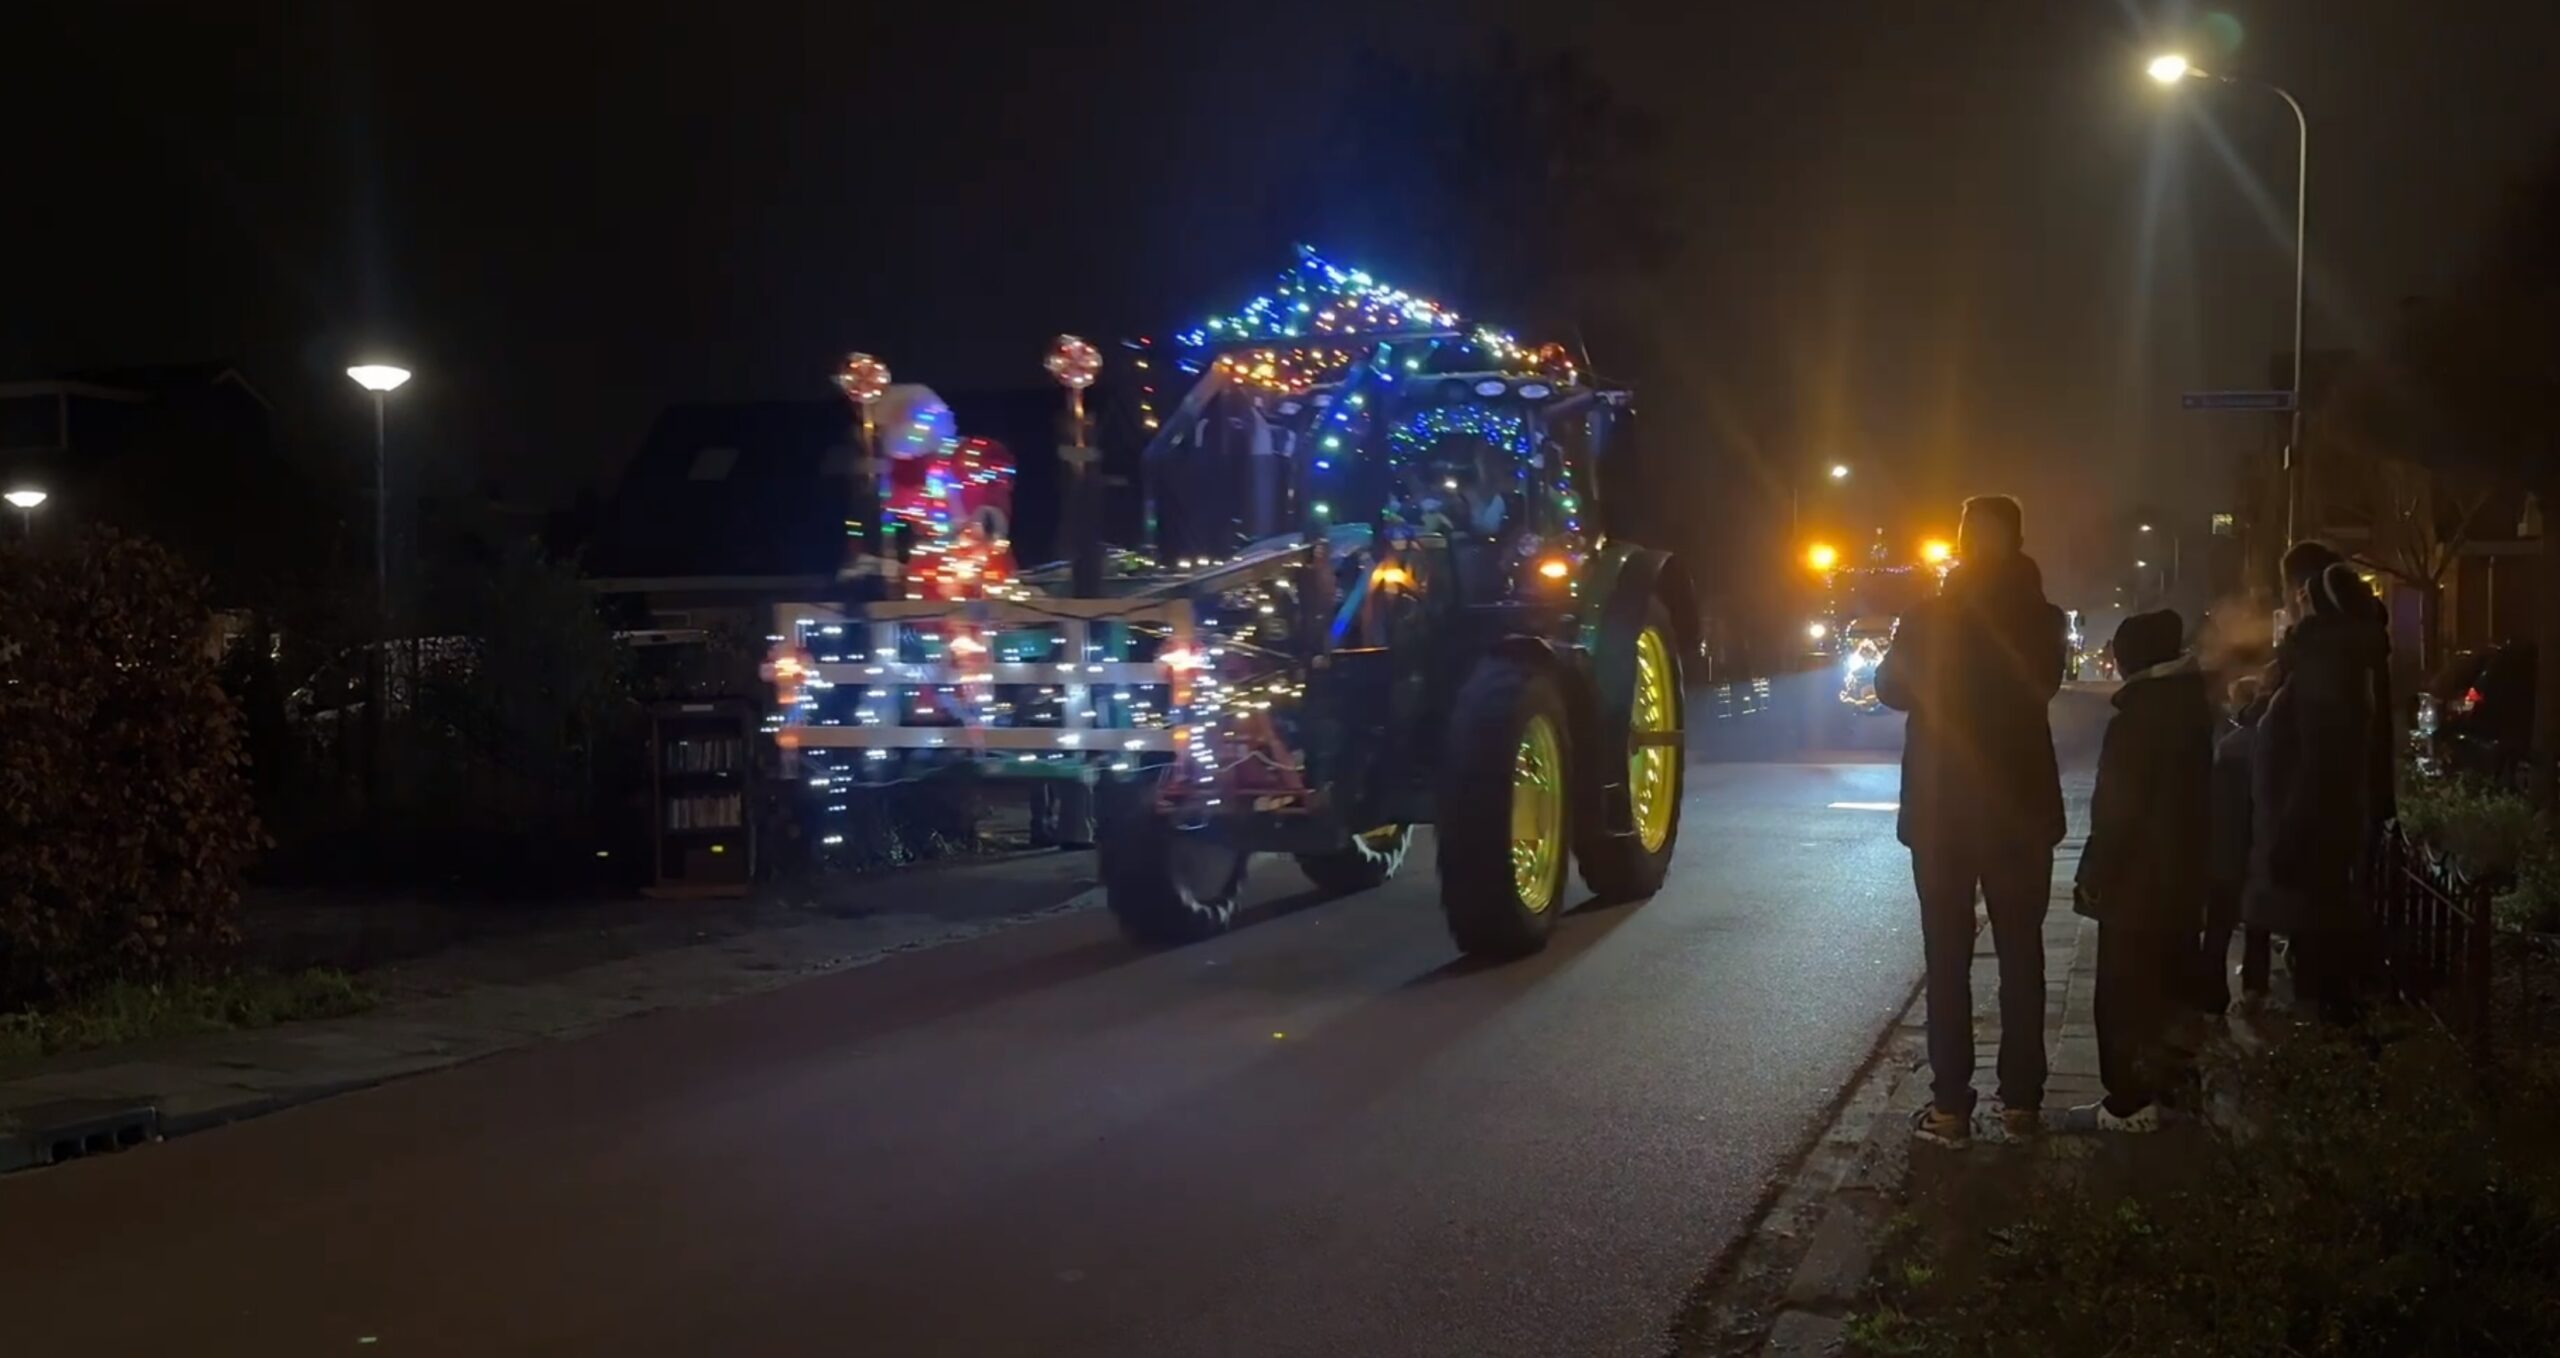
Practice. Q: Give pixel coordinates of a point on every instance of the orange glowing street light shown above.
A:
(1822, 556)
(1937, 551)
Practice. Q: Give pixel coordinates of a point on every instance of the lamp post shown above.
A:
(381, 379)
(2170, 70)
(25, 499)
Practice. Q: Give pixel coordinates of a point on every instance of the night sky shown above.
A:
(1965, 244)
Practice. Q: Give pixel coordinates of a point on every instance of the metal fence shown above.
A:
(2444, 951)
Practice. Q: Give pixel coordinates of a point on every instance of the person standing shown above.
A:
(2318, 785)
(2234, 748)
(1981, 812)
(2143, 876)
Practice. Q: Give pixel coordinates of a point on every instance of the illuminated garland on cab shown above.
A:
(1305, 331)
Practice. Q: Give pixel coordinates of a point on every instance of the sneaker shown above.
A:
(2095, 1117)
(2018, 1124)
(1938, 1127)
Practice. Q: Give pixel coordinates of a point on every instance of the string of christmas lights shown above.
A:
(1504, 429)
(1316, 307)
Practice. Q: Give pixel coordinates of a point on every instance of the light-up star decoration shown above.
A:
(1073, 361)
(862, 378)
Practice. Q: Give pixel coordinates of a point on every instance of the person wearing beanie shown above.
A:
(2145, 873)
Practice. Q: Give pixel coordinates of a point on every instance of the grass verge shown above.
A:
(127, 1012)
(2372, 1199)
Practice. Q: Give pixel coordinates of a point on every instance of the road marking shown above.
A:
(1864, 806)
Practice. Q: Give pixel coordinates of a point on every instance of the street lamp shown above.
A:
(25, 499)
(2171, 69)
(2145, 528)
(1838, 472)
(381, 379)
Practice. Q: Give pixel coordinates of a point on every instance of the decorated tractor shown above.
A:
(1379, 594)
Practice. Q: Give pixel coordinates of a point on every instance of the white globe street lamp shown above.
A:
(378, 376)
(25, 499)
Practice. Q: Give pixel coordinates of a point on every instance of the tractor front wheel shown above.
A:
(1626, 867)
(1369, 861)
(1504, 809)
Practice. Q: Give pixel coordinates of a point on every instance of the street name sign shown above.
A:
(2237, 400)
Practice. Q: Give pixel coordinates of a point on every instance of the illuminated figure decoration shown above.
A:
(950, 498)
(955, 506)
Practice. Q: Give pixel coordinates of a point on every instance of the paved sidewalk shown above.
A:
(1848, 1197)
(498, 993)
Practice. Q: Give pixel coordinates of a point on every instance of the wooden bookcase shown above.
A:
(701, 774)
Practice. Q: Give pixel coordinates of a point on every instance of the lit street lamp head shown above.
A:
(25, 497)
(1839, 471)
(378, 376)
(2170, 69)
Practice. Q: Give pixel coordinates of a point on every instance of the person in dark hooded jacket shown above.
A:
(2145, 874)
(2318, 786)
(2235, 745)
(1981, 804)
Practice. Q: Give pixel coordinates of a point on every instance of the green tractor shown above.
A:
(1398, 606)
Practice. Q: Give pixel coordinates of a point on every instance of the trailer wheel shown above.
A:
(1631, 866)
(1370, 860)
(1505, 808)
(1166, 885)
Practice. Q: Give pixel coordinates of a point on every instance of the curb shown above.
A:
(1859, 1146)
(1840, 1257)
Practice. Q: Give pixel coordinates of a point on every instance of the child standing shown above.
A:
(2236, 738)
(2144, 876)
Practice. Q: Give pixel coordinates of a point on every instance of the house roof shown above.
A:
(761, 489)
(165, 379)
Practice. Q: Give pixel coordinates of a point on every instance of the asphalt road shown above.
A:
(1322, 1135)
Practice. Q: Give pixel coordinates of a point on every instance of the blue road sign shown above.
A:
(2237, 400)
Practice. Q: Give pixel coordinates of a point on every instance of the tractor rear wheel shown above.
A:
(1165, 884)
(1504, 809)
(1631, 866)
(1368, 861)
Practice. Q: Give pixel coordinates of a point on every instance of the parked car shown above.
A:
(2475, 717)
